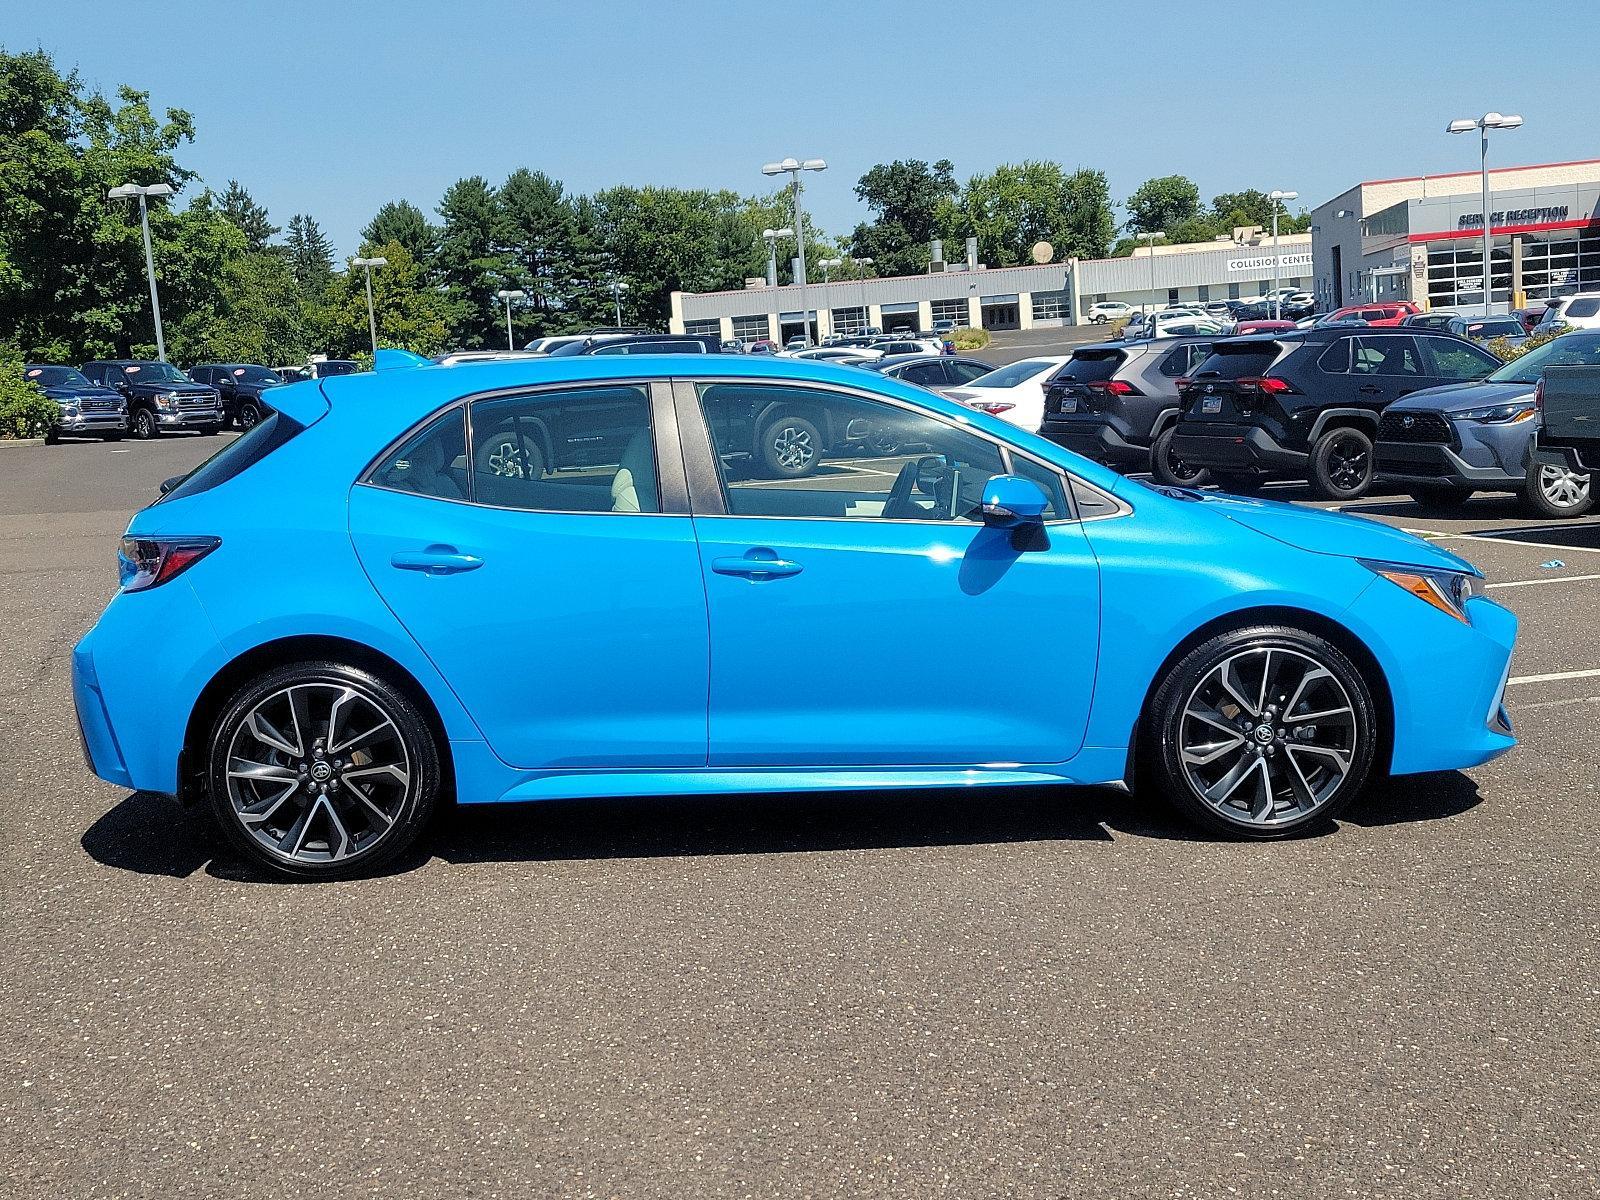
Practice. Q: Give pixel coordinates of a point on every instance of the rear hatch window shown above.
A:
(1070, 389)
(235, 457)
(1212, 393)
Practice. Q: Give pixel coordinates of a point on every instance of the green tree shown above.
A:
(25, 411)
(1162, 203)
(411, 313)
(1018, 205)
(472, 260)
(538, 227)
(247, 216)
(403, 222)
(906, 197)
(310, 253)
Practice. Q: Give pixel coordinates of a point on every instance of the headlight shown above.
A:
(1448, 591)
(167, 400)
(1500, 414)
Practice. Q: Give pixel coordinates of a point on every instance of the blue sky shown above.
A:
(333, 108)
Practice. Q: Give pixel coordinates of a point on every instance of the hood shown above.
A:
(171, 386)
(1453, 396)
(1337, 534)
(92, 392)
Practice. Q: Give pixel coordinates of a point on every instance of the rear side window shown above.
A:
(965, 372)
(430, 463)
(1587, 306)
(1335, 360)
(1239, 362)
(237, 456)
(1086, 368)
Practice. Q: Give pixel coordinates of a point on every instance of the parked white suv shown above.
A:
(1581, 311)
(1109, 310)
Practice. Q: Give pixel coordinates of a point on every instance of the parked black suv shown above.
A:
(240, 386)
(87, 409)
(159, 396)
(1306, 404)
(641, 343)
(1117, 403)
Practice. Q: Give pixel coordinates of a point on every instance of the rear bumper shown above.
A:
(1099, 440)
(1426, 463)
(1231, 447)
(95, 735)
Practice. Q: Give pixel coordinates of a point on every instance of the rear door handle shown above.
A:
(756, 565)
(435, 560)
(1369, 389)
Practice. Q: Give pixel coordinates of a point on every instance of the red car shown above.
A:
(1390, 312)
(1263, 327)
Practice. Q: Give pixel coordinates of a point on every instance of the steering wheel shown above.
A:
(898, 506)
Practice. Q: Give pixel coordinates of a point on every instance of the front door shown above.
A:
(862, 614)
(544, 572)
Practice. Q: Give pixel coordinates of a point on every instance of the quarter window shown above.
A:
(802, 452)
(580, 450)
(430, 463)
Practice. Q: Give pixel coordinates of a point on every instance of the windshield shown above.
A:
(1011, 375)
(1568, 350)
(57, 377)
(1505, 327)
(256, 375)
(155, 372)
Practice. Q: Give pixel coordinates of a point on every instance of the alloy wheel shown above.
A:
(1267, 736)
(792, 447)
(318, 773)
(1562, 487)
(506, 460)
(1348, 461)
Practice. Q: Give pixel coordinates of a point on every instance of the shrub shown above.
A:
(25, 411)
(1505, 351)
(969, 339)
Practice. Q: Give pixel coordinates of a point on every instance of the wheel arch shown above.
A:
(300, 648)
(1300, 618)
(1363, 419)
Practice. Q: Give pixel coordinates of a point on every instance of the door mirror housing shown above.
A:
(1012, 502)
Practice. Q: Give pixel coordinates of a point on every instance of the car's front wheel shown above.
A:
(1261, 732)
(249, 416)
(319, 770)
(144, 424)
(1553, 490)
(1169, 468)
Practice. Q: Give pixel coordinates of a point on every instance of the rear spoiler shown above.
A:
(307, 402)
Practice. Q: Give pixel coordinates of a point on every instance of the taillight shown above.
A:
(1538, 396)
(1265, 383)
(991, 406)
(1112, 387)
(147, 562)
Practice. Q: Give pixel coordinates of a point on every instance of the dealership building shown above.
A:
(1000, 297)
(1420, 238)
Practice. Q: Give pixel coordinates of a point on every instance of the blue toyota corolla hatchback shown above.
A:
(512, 581)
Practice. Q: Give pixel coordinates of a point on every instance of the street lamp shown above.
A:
(372, 314)
(128, 191)
(508, 296)
(792, 167)
(618, 286)
(1152, 236)
(1277, 198)
(1485, 123)
(772, 236)
(864, 263)
(827, 265)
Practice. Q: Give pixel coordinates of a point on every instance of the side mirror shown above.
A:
(1010, 502)
(168, 484)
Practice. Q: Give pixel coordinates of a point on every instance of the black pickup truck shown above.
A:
(1569, 436)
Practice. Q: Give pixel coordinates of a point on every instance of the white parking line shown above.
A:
(1536, 582)
(1552, 678)
(1547, 547)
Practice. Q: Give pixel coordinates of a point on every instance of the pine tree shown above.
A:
(403, 222)
(472, 262)
(310, 252)
(249, 217)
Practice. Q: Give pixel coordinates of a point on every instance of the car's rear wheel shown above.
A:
(1169, 468)
(790, 447)
(1261, 732)
(319, 770)
(510, 455)
(1440, 497)
(1341, 464)
(1553, 490)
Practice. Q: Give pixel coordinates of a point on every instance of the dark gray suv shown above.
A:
(1117, 403)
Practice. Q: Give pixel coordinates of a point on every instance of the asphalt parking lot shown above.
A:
(1016, 993)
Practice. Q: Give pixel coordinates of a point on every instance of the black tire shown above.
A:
(111, 437)
(510, 454)
(143, 424)
(52, 436)
(1440, 497)
(211, 431)
(368, 843)
(789, 447)
(249, 415)
(1240, 484)
(1284, 808)
(1168, 468)
(1557, 492)
(1342, 464)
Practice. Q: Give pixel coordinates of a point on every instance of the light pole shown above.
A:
(372, 313)
(793, 167)
(508, 296)
(1152, 236)
(1277, 198)
(864, 263)
(127, 191)
(1485, 123)
(618, 286)
(772, 236)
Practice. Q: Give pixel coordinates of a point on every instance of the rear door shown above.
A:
(1384, 367)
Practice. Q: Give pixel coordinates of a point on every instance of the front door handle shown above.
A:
(756, 565)
(435, 560)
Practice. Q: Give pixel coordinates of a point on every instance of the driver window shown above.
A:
(803, 452)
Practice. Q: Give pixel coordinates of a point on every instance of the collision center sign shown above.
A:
(1264, 262)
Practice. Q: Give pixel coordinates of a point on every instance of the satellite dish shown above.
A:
(1043, 252)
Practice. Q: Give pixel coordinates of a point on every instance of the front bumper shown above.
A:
(1432, 463)
(1226, 446)
(196, 419)
(1099, 440)
(111, 422)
